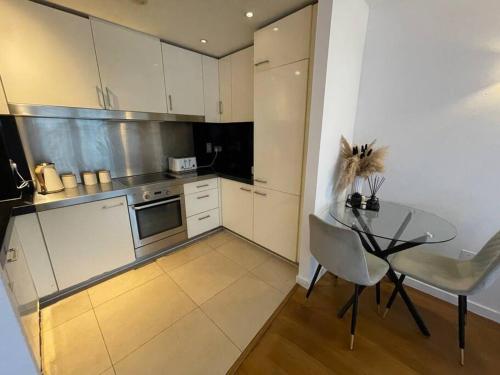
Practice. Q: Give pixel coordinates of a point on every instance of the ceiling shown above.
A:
(184, 22)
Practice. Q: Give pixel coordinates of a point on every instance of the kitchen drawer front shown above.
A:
(195, 187)
(201, 202)
(203, 222)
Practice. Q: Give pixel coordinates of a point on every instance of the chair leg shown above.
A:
(462, 310)
(354, 314)
(313, 281)
(377, 296)
(393, 297)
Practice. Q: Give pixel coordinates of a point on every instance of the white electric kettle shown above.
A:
(48, 181)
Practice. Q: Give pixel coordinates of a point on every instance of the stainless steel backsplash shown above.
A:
(124, 148)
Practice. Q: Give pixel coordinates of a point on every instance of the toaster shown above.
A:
(182, 164)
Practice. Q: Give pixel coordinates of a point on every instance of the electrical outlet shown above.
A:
(218, 148)
(466, 254)
(209, 147)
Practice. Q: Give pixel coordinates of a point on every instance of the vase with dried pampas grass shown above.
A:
(358, 163)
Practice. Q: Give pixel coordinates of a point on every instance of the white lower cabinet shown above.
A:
(276, 221)
(35, 251)
(203, 222)
(237, 207)
(88, 239)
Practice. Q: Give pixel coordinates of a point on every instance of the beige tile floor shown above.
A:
(190, 312)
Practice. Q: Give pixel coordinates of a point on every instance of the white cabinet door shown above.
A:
(280, 115)
(183, 80)
(225, 88)
(237, 207)
(284, 41)
(276, 221)
(242, 85)
(88, 239)
(131, 68)
(47, 56)
(35, 251)
(211, 89)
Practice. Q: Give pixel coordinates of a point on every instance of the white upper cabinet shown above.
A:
(284, 41)
(183, 80)
(280, 116)
(47, 57)
(131, 68)
(242, 85)
(225, 88)
(211, 89)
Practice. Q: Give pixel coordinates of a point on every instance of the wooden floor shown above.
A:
(306, 337)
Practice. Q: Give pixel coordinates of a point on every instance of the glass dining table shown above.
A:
(395, 227)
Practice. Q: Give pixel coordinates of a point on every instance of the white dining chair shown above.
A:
(340, 251)
(460, 277)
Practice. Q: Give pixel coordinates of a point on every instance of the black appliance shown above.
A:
(11, 151)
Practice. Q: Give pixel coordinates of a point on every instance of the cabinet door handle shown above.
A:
(261, 62)
(220, 107)
(105, 207)
(200, 186)
(261, 194)
(11, 255)
(260, 181)
(245, 189)
(109, 97)
(203, 217)
(202, 196)
(100, 97)
(170, 102)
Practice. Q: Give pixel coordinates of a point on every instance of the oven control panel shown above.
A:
(152, 193)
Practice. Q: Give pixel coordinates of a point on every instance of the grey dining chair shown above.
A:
(460, 277)
(340, 251)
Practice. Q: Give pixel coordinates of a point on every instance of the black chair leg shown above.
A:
(462, 310)
(313, 281)
(354, 314)
(393, 297)
(377, 296)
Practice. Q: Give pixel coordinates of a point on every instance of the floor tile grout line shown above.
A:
(221, 330)
(183, 264)
(156, 335)
(102, 335)
(70, 319)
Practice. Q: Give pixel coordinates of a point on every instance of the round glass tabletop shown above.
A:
(395, 222)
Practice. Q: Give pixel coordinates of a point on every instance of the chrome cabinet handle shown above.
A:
(203, 217)
(170, 102)
(260, 181)
(245, 189)
(261, 194)
(11, 255)
(100, 97)
(200, 186)
(109, 97)
(261, 62)
(220, 107)
(202, 196)
(105, 207)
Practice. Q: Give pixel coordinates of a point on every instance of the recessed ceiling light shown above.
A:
(297, 72)
(275, 29)
(249, 14)
(203, 41)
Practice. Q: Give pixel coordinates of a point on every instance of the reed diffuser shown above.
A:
(374, 183)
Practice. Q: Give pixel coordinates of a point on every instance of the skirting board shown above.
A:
(438, 293)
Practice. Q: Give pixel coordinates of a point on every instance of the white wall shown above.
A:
(340, 38)
(430, 89)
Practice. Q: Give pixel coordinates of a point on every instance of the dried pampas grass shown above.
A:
(360, 161)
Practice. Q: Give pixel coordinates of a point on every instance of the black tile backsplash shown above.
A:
(236, 139)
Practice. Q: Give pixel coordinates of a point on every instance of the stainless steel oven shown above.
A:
(157, 216)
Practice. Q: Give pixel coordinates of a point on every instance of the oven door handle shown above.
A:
(155, 204)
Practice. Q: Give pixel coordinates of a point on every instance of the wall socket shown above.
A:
(218, 148)
(209, 147)
(466, 254)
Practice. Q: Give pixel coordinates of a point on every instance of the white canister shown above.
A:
(89, 178)
(104, 176)
(69, 180)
